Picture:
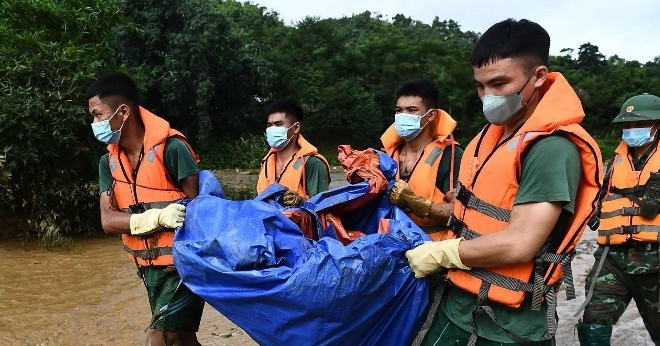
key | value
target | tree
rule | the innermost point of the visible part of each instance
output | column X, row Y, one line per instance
column 50, row 52
column 197, row 71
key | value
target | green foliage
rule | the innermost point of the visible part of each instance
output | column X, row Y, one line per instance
column 240, row 193
column 197, row 71
column 347, row 70
column 244, row 152
column 211, row 66
column 607, row 147
column 50, row 51
column 604, row 84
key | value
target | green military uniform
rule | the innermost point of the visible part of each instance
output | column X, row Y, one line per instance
column 540, row 182
column 316, row 176
column 629, row 270
column 174, row 307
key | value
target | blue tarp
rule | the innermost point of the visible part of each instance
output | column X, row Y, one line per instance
column 254, row 265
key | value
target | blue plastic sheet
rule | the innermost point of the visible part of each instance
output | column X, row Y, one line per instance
column 253, row 264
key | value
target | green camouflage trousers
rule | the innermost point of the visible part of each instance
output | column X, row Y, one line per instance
column 627, row 273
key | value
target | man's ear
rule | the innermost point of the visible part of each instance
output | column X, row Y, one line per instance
column 434, row 113
column 540, row 73
column 125, row 111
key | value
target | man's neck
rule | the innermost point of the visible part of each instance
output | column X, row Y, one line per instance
column 418, row 143
column 527, row 112
column 289, row 151
column 640, row 151
column 132, row 137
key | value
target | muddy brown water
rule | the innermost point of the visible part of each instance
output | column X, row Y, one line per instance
column 89, row 294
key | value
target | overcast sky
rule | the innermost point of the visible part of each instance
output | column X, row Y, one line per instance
column 627, row 28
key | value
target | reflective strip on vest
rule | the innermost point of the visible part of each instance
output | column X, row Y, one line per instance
column 471, row 201
column 434, row 155
column 632, row 229
column 151, row 253
column 629, row 211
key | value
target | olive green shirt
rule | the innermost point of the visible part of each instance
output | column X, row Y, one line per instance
column 177, row 158
column 316, row 176
column 551, row 173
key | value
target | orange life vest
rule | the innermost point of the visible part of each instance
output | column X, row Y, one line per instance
column 149, row 186
column 620, row 220
column 489, row 180
column 293, row 175
column 422, row 180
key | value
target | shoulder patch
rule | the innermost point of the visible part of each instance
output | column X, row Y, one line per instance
column 112, row 163
column 298, row 163
column 435, row 153
column 151, row 154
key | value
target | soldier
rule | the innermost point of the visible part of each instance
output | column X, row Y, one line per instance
column 627, row 256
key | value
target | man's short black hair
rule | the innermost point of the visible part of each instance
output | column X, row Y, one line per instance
column 287, row 106
column 115, row 85
column 522, row 39
column 423, row 88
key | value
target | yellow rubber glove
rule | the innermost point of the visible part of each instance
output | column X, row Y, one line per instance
column 429, row 257
column 290, row 198
column 402, row 196
column 153, row 220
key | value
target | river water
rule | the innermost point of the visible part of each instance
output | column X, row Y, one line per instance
column 88, row 294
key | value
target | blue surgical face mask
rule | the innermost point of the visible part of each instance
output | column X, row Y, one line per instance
column 637, row 137
column 499, row 109
column 408, row 126
column 276, row 136
column 103, row 131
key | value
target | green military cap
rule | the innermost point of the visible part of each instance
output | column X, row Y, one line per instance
column 642, row 107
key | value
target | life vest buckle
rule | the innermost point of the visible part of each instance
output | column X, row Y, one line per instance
column 630, row 229
column 630, row 211
column 463, row 195
column 455, row 225
column 137, row 208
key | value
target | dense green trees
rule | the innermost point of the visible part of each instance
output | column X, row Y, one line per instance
column 211, row 66
column 49, row 52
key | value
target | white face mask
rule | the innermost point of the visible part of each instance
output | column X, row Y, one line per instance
column 276, row 136
column 499, row 109
column 638, row 136
column 408, row 126
column 103, row 132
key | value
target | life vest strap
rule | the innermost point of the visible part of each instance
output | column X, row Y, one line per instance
column 536, row 288
column 613, row 196
column 626, row 211
column 637, row 191
column 460, row 228
column 142, row 207
column 149, row 253
column 629, row 229
column 551, row 319
column 468, row 199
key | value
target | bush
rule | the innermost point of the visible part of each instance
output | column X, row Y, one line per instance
column 50, row 52
column 244, row 152
column 607, row 147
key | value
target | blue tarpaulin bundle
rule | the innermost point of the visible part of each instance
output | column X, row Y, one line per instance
column 253, row 264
